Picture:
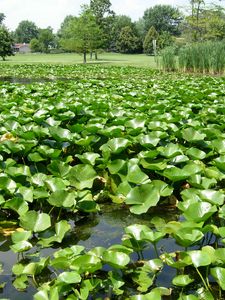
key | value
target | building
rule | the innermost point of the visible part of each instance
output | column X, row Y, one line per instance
column 22, row 48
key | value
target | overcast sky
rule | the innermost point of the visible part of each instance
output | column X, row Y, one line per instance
column 52, row 12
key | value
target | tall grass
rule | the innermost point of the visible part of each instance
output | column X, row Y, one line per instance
column 205, row 57
column 168, row 59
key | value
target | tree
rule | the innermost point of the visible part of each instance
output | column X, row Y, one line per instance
column 6, row 42
column 163, row 18
column 204, row 23
column 104, row 17
column 2, row 17
column 128, row 42
column 26, row 31
column 148, row 41
column 82, row 34
column 119, row 23
column 46, row 39
column 35, row 45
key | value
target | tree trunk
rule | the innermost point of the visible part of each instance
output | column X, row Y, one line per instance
column 91, row 55
column 3, row 57
column 96, row 55
column 85, row 56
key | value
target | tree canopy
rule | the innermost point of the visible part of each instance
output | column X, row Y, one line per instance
column 162, row 18
column 82, row 34
column 26, row 31
column 6, row 41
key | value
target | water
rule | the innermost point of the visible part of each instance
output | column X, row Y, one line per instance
column 103, row 229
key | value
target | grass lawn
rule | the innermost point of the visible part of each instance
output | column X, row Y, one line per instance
column 138, row 60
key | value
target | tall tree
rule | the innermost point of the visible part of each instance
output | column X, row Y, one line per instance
column 163, row 18
column 204, row 22
column 82, row 34
column 26, row 31
column 128, row 42
column 46, row 39
column 6, row 42
column 151, row 36
column 104, row 17
column 120, row 21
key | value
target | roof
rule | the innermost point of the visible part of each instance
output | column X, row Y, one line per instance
column 19, row 45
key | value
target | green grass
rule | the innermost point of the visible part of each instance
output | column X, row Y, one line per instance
column 138, row 60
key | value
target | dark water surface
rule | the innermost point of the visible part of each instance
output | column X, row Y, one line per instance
column 103, row 229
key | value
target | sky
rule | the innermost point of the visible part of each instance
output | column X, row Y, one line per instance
column 46, row 13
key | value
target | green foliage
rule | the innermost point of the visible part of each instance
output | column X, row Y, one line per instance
column 25, row 32
column 46, row 39
column 35, row 45
column 82, row 34
column 6, row 42
column 162, row 18
column 148, row 41
column 206, row 57
column 68, row 146
column 128, row 41
column 168, row 59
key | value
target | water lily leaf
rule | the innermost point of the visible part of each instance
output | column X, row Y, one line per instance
column 116, row 145
column 26, row 193
column 69, row 277
column 137, row 231
column 170, row 150
column 219, row 274
column 218, row 145
column 21, row 282
column 199, row 211
column 7, row 183
column 155, row 165
column 61, row 228
column 20, row 170
column 116, row 259
column 17, row 204
column 212, row 196
column 135, row 175
column 86, row 263
column 195, row 153
column 82, row 176
column 142, row 198
column 148, row 140
column 35, row 221
column 39, row 179
column 135, row 123
column 19, row 236
column 220, row 162
column 56, row 184
column 59, row 168
column 87, row 206
column 188, row 236
column 182, row 280
column 192, row 135
column 60, row 134
column 200, row 258
column 88, row 158
column 35, row 157
column 116, row 165
column 61, row 198
column 21, row 246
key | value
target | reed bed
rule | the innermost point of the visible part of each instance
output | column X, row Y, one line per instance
column 203, row 57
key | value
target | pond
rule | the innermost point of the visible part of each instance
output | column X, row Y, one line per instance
column 102, row 230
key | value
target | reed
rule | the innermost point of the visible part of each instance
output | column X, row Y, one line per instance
column 168, row 59
column 205, row 57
